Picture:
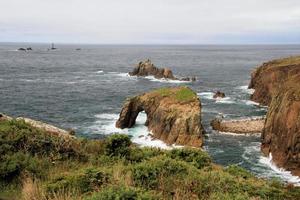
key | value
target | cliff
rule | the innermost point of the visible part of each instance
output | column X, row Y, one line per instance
column 277, row 84
column 269, row 77
column 281, row 134
column 147, row 68
column 173, row 115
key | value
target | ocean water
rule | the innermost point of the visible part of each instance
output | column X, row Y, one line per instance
column 84, row 90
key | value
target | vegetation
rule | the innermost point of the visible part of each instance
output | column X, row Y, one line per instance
column 182, row 94
column 37, row 166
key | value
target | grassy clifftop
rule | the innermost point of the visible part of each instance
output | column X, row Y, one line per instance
column 37, row 166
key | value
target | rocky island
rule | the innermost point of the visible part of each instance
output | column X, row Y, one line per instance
column 147, row 68
column 173, row 115
column 277, row 84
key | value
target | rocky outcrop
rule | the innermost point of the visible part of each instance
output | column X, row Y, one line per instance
column 41, row 125
column 268, row 78
column 173, row 115
column 281, row 134
column 244, row 126
column 147, row 68
column 219, row 94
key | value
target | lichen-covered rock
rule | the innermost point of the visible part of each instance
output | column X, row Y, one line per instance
column 281, row 134
column 173, row 115
column 268, row 78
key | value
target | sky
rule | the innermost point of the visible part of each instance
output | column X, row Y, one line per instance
column 151, row 21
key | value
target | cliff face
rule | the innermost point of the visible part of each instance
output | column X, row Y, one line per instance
column 277, row 84
column 281, row 134
column 268, row 78
column 173, row 115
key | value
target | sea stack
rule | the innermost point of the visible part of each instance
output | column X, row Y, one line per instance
column 277, row 84
column 173, row 115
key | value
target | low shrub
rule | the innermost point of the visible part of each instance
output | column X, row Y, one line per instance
column 117, row 145
column 85, row 180
column 147, row 174
column 196, row 157
column 122, row 193
column 238, row 171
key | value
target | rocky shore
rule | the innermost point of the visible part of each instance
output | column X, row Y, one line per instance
column 173, row 115
column 147, row 68
column 277, row 84
column 244, row 126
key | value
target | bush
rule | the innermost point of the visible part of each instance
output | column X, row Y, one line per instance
column 148, row 173
column 238, row 172
column 196, row 157
column 84, row 180
column 117, row 145
column 140, row 154
column 122, row 193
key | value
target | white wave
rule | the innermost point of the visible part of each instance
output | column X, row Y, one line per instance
column 282, row 173
column 206, row 95
column 164, row 80
column 226, row 100
column 105, row 124
column 245, row 89
column 249, row 102
column 99, row 72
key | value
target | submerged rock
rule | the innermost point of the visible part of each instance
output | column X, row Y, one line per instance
column 147, row 68
column 244, row 126
column 219, row 94
column 21, row 49
column 173, row 115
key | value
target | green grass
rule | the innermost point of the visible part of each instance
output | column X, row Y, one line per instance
column 181, row 94
column 117, row 169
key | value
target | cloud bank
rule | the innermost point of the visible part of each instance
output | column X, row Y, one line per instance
column 150, row 22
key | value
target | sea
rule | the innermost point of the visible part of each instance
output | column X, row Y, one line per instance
column 84, row 90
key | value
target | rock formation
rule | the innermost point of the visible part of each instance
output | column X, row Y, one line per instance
column 147, row 68
column 268, row 78
column 219, row 94
column 243, row 126
column 173, row 115
column 277, row 84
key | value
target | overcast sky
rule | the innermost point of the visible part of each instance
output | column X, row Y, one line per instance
column 151, row 21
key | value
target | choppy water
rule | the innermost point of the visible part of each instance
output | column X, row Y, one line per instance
column 84, row 90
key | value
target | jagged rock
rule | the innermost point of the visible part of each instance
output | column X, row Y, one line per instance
column 219, row 94
column 244, row 126
column 268, row 78
column 29, row 49
column 173, row 115
column 4, row 117
column 147, row 68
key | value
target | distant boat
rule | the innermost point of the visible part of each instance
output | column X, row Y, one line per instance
column 52, row 47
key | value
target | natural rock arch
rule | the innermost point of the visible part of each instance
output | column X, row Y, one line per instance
column 173, row 115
